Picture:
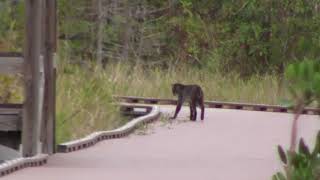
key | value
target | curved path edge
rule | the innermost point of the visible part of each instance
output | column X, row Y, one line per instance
column 11, row 166
column 95, row 137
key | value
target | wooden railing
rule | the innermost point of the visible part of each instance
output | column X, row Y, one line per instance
column 217, row 104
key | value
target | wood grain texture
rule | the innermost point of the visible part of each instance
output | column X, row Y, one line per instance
column 11, row 65
column 10, row 122
column 32, row 78
column 48, row 114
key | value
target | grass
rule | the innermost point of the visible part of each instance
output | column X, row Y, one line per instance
column 137, row 81
column 84, row 96
column 10, row 89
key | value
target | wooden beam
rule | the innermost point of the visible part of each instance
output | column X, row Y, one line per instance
column 11, row 65
column 10, row 122
column 10, row 117
column 11, row 54
column 32, row 78
column 11, row 106
column 48, row 126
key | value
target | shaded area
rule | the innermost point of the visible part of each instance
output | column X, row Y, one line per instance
column 10, row 139
column 8, row 154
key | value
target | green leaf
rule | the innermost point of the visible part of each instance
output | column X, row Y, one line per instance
column 309, row 70
column 316, row 150
column 290, row 72
column 304, row 70
column 274, row 177
column 316, row 84
column 257, row 30
column 317, row 67
column 279, row 176
column 282, row 155
column 294, row 159
column 303, row 148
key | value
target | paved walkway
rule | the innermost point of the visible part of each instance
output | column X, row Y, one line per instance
column 229, row 145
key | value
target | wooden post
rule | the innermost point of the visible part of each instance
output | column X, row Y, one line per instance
column 48, row 126
column 31, row 120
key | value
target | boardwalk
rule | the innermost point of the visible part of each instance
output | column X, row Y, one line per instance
column 229, row 145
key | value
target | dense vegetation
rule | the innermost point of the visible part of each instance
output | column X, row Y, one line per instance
column 304, row 88
column 246, row 36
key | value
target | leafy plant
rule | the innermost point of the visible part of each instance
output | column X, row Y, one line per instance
column 301, row 165
column 303, row 80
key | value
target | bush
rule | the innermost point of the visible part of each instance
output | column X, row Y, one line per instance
column 301, row 165
column 303, row 81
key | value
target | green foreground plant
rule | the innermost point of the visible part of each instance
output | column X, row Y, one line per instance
column 301, row 165
column 304, row 87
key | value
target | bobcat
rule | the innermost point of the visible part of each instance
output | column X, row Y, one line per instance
column 192, row 94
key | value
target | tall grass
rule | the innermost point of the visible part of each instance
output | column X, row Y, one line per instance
column 137, row 81
column 84, row 96
column 84, row 104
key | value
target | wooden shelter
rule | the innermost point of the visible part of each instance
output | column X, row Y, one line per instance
column 35, row 118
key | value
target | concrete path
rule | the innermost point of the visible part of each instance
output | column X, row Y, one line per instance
column 228, row 145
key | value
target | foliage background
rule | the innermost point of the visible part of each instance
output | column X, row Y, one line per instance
column 245, row 36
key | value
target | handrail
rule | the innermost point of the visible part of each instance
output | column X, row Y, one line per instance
column 218, row 104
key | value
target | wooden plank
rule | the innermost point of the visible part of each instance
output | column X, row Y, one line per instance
column 10, row 117
column 10, row 122
column 10, row 111
column 32, row 76
column 11, row 106
column 219, row 104
column 11, row 65
column 11, row 54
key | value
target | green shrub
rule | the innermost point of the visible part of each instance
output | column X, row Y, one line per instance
column 301, row 165
column 303, row 81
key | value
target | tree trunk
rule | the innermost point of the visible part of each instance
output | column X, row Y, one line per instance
column 294, row 129
column 127, row 31
column 100, row 32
